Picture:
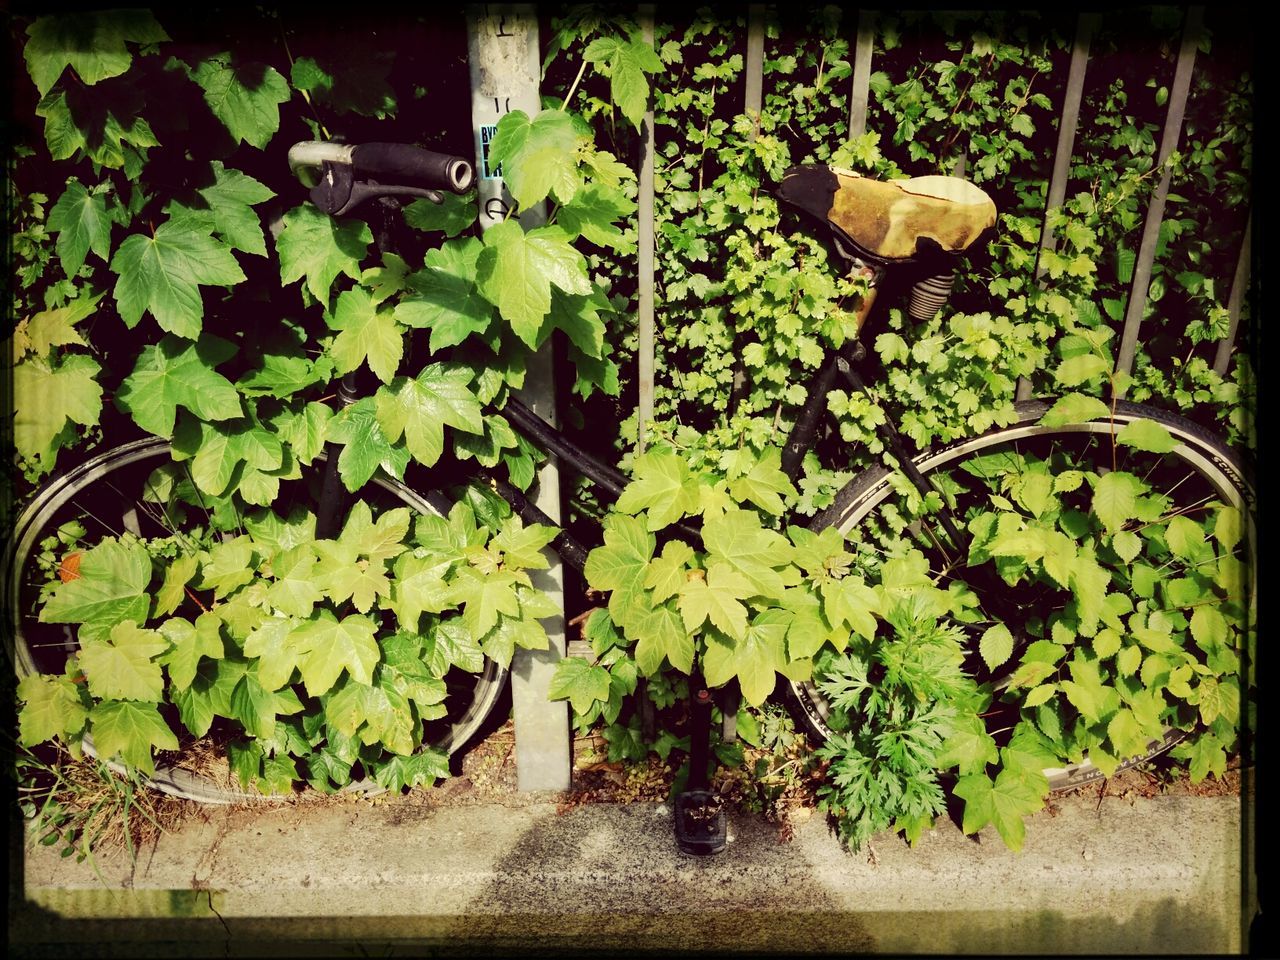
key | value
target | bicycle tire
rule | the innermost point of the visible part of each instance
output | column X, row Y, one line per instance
column 1198, row 450
column 68, row 494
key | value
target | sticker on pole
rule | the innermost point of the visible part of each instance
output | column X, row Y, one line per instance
column 487, row 132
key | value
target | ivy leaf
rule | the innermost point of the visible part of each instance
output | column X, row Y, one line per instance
column 1004, row 801
column 110, row 589
column 367, row 334
column 662, row 485
column 80, row 219
column 445, row 298
column 627, row 62
column 419, row 408
column 364, row 447
column 246, row 97
column 130, row 730
column 162, row 274
column 316, row 246
column 538, row 156
column 516, row 270
column 124, row 667
column 47, row 398
column 328, row 646
column 1115, row 499
column 579, row 682
column 1146, row 435
column 51, row 707
column 91, row 43
column 716, row 598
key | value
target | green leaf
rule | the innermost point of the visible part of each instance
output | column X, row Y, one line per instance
column 445, row 297
column 619, row 566
column 130, row 730
column 579, row 682
column 124, row 666
column 1185, row 537
column 227, row 566
column 737, row 539
column 364, row 448
column 538, row 156
column 91, row 43
column 1146, row 435
column 51, row 707
column 367, row 334
column 189, row 644
column 110, row 589
column 81, row 221
column 1115, row 499
column 293, row 590
column 522, row 545
column 666, row 574
column 1228, row 527
column 246, row 97
column 226, row 207
column 452, row 216
column 754, row 658
column 765, row 484
column 516, row 271
column 717, row 599
column 43, row 331
column 1004, row 801
column 1125, row 734
column 47, row 399
column 592, row 213
column 419, row 587
column 968, row 747
column 316, row 246
column 661, row 633
column 161, row 274
column 328, row 646
column 1079, row 369
column 663, row 486
column 419, row 409
column 272, row 643
column 996, row 645
column 1127, row 545
column 627, row 62
column 174, row 373
column 422, row 768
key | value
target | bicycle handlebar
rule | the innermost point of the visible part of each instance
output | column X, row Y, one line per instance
column 396, row 162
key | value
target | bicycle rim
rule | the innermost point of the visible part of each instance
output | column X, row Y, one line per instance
column 1199, row 467
column 105, row 495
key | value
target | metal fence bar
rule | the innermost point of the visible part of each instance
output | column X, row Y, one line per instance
column 1067, row 125
column 754, row 73
column 1236, row 300
column 645, row 267
column 860, row 94
column 1155, row 212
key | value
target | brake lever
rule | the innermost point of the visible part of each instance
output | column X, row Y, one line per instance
column 338, row 192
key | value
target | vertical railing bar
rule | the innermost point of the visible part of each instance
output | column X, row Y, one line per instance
column 645, row 234
column 754, row 97
column 1155, row 212
column 1067, row 126
column 860, row 94
column 1239, row 284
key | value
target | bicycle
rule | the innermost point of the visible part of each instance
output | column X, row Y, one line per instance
column 916, row 227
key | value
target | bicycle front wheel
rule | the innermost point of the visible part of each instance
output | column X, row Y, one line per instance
column 114, row 493
column 879, row 508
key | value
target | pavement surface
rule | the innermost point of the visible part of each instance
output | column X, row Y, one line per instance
column 539, row 878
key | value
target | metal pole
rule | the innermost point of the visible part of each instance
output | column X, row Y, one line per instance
column 1236, row 300
column 859, row 96
column 755, row 59
column 1155, row 212
column 645, row 279
column 1062, row 155
column 502, row 50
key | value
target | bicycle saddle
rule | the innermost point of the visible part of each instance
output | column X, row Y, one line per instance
column 891, row 220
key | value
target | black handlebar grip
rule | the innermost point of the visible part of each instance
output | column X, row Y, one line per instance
column 402, row 162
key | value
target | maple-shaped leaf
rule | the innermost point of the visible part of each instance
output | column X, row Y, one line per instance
column 377, row 711
column 314, row 245
column 224, row 446
column 256, row 706
column 130, row 730
column 246, row 97
column 737, row 539
column 114, row 575
column 538, row 156
column 176, row 373
column 619, row 567
column 765, row 484
column 516, row 271
column 378, row 540
column 484, row 597
column 366, row 335
column 627, row 62
column 293, row 590
column 849, row 600
column 190, row 643
column 418, row 587
column 328, row 646
column 1004, row 801
column 39, row 333
column 450, row 644
column 453, row 215
column 364, row 447
column 522, row 545
column 162, row 273
column 423, row 768
column 668, row 572
column 663, row 486
column 48, row 397
column 754, row 657
column 227, row 566
column 968, row 747
column 226, row 205
column 125, row 665
column 718, row 598
column 304, row 427
column 418, row 408
column 92, row 43
column 343, row 575
column 444, row 296
column 808, row 630
column 173, row 590
column 592, row 213
column 82, row 223
column 273, row 645
column 579, row 682
column 51, row 707
column 579, row 318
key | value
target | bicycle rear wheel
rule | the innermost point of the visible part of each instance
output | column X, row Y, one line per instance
column 113, row 493
column 875, row 508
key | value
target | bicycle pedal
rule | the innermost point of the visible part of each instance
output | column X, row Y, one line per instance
column 702, row 827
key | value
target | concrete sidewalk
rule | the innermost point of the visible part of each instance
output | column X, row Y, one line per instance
column 1119, row 876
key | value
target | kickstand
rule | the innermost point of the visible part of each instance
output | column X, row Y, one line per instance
column 700, row 822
